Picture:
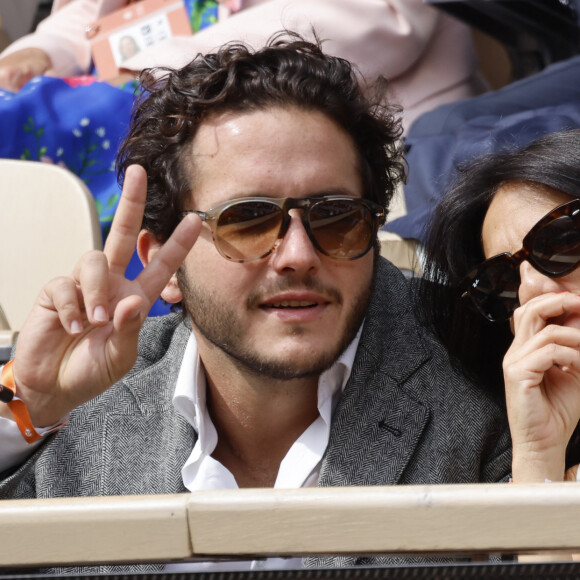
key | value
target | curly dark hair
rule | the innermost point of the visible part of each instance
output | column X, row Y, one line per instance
column 287, row 72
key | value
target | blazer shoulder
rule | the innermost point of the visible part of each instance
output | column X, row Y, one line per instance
column 157, row 336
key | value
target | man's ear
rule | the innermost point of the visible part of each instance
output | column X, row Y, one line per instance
column 147, row 246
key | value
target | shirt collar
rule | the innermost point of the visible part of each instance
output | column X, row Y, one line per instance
column 301, row 465
column 190, row 391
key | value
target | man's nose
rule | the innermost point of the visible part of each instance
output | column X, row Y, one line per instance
column 295, row 251
column 534, row 283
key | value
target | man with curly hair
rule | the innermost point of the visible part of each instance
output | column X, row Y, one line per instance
column 254, row 183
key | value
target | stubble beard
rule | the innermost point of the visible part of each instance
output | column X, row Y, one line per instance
column 218, row 324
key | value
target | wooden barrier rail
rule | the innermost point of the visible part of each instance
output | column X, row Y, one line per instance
column 266, row 522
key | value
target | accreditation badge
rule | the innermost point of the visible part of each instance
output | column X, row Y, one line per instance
column 122, row 34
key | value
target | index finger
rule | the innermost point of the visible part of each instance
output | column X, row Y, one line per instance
column 154, row 277
column 533, row 316
column 122, row 238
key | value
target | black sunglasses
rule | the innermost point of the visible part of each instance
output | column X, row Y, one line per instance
column 552, row 247
column 247, row 229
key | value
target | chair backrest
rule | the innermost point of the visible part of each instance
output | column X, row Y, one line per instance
column 48, row 219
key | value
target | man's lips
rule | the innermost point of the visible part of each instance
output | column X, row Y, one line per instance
column 291, row 304
column 295, row 301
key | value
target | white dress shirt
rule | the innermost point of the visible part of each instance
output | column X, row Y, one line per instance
column 300, row 467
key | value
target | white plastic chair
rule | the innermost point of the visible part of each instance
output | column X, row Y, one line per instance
column 48, row 219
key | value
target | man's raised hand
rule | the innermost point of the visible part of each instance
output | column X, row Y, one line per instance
column 81, row 335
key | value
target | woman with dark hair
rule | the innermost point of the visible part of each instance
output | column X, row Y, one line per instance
column 501, row 288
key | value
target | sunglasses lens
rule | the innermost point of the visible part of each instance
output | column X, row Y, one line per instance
column 248, row 230
column 343, row 229
column 556, row 246
column 494, row 289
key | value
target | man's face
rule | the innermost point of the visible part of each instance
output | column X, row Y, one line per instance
column 291, row 314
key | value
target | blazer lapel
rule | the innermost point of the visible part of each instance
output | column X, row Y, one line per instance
column 379, row 422
column 145, row 448
column 375, row 431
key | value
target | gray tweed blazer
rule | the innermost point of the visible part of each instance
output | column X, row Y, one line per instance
column 406, row 417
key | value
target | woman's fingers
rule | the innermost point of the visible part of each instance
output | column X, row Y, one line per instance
column 551, row 334
column 528, row 371
column 530, row 318
column 571, row 475
column 542, row 384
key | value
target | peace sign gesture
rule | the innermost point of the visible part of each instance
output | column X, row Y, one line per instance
column 81, row 335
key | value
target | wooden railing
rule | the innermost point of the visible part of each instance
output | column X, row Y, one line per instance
column 455, row 519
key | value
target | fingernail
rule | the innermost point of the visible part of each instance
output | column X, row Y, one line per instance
column 100, row 315
column 76, row 327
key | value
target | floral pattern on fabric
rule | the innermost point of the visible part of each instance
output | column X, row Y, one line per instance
column 70, row 124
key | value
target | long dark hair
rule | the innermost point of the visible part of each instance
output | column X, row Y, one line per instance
column 454, row 247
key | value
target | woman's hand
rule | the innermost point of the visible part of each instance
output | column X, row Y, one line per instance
column 542, row 382
column 17, row 68
column 81, row 336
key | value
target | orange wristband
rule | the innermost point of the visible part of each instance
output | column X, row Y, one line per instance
column 17, row 407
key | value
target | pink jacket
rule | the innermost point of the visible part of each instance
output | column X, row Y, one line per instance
column 427, row 56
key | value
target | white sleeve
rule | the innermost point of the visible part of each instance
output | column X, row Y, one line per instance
column 62, row 34
column 381, row 36
column 14, row 449
column 427, row 56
